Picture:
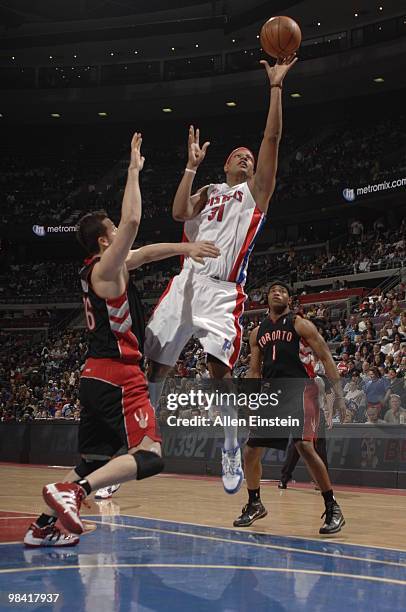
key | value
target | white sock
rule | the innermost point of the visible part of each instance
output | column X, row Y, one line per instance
column 155, row 392
column 230, row 431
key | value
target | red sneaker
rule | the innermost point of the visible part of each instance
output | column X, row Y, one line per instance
column 65, row 498
column 48, row 536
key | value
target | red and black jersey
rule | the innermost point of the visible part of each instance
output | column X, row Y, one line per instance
column 116, row 326
column 285, row 353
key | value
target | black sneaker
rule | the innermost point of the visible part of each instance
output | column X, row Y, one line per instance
column 334, row 520
column 283, row 484
column 250, row 513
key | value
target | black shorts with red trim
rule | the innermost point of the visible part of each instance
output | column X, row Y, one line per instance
column 300, row 403
column 116, row 410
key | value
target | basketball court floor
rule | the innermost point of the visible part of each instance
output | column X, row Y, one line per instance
column 168, row 544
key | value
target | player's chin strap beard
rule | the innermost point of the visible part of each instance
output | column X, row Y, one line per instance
column 278, row 309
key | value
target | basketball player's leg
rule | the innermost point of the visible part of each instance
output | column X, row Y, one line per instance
column 232, row 472
column 334, row 519
column 254, row 508
column 157, row 374
column 168, row 330
column 122, row 414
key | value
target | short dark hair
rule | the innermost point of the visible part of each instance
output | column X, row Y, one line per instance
column 89, row 229
column 281, row 284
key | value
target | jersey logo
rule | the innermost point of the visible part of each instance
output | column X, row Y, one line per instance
column 142, row 419
column 226, row 345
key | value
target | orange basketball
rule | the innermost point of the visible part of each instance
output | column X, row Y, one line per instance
column 280, row 36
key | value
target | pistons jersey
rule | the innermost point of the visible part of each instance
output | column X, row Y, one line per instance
column 232, row 220
column 285, row 353
column 116, row 326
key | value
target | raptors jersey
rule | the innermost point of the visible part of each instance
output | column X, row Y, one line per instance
column 116, row 326
column 231, row 220
column 285, row 353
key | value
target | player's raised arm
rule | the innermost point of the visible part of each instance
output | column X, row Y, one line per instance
column 262, row 184
column 255, row 368
column 155, row 252
column 308, row 332
column 115, row 256
column 185, row 206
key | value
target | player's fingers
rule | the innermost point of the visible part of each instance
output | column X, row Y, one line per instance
column 205, row 147
column 134, row 140
column 197, row 136
column 198, row 259
column 265, row 63
column 191, row 134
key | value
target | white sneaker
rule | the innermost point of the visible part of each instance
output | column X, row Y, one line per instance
column 106, row 492
column 48, row 536
column 232, row 474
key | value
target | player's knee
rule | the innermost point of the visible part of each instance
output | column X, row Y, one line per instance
column 148, row 464
column 87, row 466
column 251, row 455
column 305, row 447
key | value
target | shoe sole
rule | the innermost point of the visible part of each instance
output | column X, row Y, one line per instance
column 72, row 523
column 51, row 545
column 336, row 530
column 263, row 515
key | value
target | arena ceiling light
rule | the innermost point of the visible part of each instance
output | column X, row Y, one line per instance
column 167, row 110
column 296, row 95
column 231, row 104
column 102, row 114
column 379, row 80
column 55, row 115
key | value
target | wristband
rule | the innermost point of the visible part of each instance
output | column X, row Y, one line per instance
column 190, row 170
column 277, row 85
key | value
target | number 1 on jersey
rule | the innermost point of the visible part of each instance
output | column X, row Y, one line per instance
column 274, row 352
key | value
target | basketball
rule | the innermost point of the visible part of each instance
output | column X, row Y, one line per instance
column 280, row 36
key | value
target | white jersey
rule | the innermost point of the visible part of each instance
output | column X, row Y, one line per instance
column 231, row 220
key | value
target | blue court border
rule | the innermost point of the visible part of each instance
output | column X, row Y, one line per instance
column 140, row 563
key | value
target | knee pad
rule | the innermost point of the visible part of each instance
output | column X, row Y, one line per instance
column 148, row 464
column 87, row 466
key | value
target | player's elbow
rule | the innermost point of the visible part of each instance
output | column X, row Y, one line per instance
column 178, row 217
column 132, row 223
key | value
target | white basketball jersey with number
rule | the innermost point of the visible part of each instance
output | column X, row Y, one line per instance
column 231, row 220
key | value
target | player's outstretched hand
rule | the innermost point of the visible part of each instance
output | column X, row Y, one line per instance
column 198, row 250
column 137, row 161
column 278, row 72
column 195, row 154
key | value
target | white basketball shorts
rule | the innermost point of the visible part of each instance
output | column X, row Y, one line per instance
column 201, row 306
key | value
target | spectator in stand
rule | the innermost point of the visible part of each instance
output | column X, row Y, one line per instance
column 375, row 388
column 378, row 354
column 396, row 414
column 373, row 412
column 396, row 385
column 335, row 335
column 355, row 398
column 342, row 365
column 356, row 231
column 346, row 346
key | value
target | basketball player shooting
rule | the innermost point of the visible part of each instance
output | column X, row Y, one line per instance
column 207, row 300
column 116, row 410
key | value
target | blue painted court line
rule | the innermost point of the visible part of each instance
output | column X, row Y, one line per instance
column 133, row 563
